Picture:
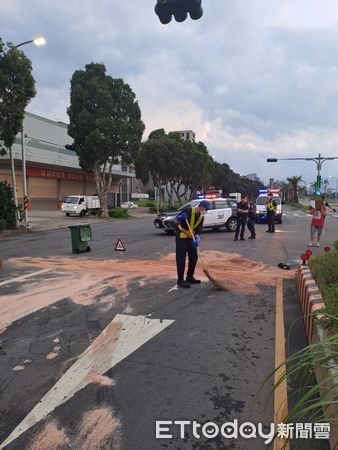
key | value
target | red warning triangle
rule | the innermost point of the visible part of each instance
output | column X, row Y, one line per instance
column 119, row 247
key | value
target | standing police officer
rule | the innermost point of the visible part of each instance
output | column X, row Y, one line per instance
column 242, row 216
column 271, row 209
column 252, row 219
column 187, row 243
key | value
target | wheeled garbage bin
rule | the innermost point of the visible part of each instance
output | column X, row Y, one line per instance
column 81, row 235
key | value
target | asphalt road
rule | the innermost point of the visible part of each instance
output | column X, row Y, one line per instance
column 97, row 347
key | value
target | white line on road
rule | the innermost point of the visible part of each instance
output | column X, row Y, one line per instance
column 173, row 288
column 119, row 339
column 23, row 277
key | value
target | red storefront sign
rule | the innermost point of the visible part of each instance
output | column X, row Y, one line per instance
column 59, row 174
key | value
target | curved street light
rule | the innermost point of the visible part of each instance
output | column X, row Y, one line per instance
column 38, row 41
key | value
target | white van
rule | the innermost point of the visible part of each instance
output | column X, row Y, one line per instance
column 261, row 214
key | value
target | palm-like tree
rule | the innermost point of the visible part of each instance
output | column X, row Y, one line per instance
column 294, row 183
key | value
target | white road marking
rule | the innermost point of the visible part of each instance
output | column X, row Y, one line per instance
column 119, row 339
column 173, row 288
column 24, row 277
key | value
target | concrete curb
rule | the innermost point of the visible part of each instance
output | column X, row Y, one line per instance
column 311, row 301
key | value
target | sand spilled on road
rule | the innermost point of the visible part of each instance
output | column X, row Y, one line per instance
column 222, row 266
column 98, row 429
column 107, row 282
column 51, row 437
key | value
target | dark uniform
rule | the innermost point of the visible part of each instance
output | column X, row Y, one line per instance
column 241, row 219
column 251, row 220
column 185, row 244
column 271, row 207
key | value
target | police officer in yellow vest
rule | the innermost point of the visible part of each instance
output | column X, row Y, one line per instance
column 271, row 209
column 187, row 243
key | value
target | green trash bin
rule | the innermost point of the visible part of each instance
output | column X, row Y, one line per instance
column 81, row 235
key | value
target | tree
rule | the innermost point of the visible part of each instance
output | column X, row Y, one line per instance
column 17, row 88
column 294, row 183
column 105, row 123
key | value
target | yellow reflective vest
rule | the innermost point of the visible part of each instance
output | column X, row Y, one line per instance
column 185, row 233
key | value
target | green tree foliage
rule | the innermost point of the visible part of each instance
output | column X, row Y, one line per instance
column 294, row 183
column 176, row 164
column 105, row 123
column 7, row 207
column 17, row 88
column 227, row 180
column 181, row 165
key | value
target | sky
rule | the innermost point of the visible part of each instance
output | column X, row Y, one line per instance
column 253, row 78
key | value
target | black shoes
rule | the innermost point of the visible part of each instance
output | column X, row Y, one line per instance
column 193, row 280
column 252, row 237
column 236, row 239
column 183, row 284
column 242, row 239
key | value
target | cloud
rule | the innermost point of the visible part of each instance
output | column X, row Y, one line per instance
column 253, row 79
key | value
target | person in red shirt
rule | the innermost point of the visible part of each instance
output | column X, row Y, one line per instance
column 317, row 224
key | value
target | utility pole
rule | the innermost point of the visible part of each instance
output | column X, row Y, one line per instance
column 15, row 197
column 319, row 160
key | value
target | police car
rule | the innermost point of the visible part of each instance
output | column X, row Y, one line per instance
column 223, row 213
column 261, row 214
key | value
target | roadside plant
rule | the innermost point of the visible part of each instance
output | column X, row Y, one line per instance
column 311, row 402
column 7, row 207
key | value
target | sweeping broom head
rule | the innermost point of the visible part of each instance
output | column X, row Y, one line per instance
column 216, row 284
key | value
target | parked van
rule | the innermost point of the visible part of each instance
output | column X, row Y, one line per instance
column 81, row 205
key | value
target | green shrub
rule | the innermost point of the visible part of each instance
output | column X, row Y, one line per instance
column 335, row 244
column 119, row 213
column 145, row 203
column 7, row 207
column 324, row 268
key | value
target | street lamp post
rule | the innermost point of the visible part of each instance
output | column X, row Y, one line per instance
column 37, row 41
column 335, row 178
column 319, row 160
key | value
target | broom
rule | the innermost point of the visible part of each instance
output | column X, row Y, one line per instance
column 216, row 284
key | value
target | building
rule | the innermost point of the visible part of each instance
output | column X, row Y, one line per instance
column 186, row 135
column 252, row 177
column 52, row 171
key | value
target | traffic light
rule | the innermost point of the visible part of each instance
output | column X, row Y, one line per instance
column 272, row 160
column 165, row 9
column 70, row 147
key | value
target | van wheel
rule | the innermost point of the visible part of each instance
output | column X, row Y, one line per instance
column 231, row 224
column 67, row 214
column 82, row 213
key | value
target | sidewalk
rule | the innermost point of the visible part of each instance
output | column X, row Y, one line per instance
column 54, row 220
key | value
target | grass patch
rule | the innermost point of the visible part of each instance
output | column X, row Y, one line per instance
column 324, row 268
column 119, row 213
column 145, row 203
column 165, row 207
column 305, row 208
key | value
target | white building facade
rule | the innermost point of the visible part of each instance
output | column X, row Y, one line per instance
column 52, row 171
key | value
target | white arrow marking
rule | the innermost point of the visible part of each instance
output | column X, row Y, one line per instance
column 119, row 339
column 23, row 277
column 173, row 288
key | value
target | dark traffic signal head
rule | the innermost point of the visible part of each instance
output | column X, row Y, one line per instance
column 165, row 9
column 70, row 147
column 272, row 160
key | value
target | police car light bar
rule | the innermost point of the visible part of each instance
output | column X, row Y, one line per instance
column 263, row 191
column 274, row 191
column 200, row 196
